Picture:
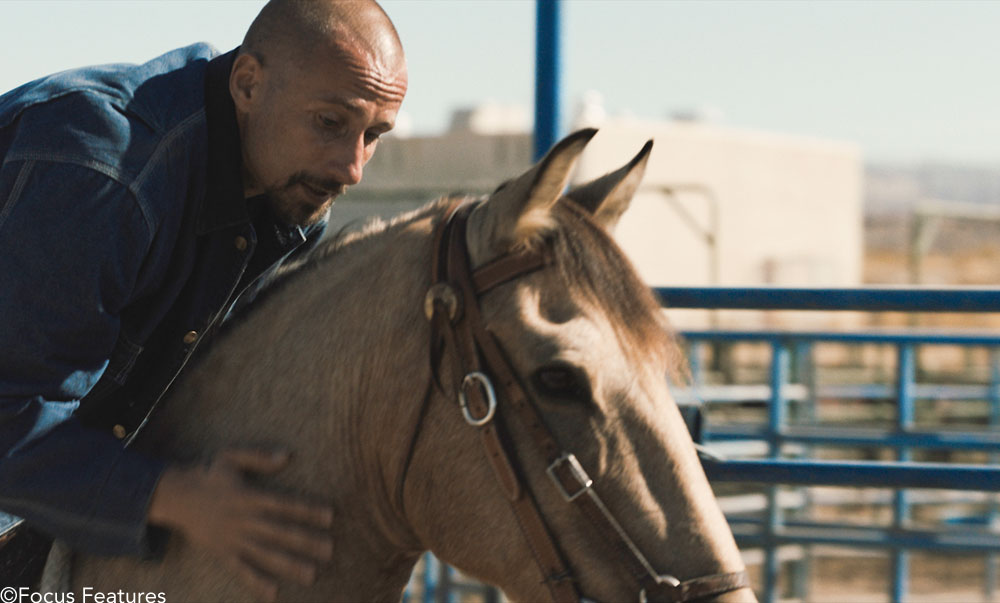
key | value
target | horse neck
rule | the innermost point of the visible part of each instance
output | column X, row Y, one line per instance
column 369, row 297
column 332, row 363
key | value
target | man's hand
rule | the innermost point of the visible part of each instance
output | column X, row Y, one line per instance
column 263, row 536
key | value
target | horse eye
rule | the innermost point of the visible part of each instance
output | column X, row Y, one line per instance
column 562, row 381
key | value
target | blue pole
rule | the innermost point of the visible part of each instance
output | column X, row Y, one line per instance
column 777, row 418
column 777, row 408
column 905, row 378
column 547, row 75
column 430, row 577
column 695, row 364
column 990, row 577
column 805, row 374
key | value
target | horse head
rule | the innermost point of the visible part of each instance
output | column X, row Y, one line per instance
column 570, row 473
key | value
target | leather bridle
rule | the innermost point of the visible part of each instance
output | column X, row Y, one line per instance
column 452, row 307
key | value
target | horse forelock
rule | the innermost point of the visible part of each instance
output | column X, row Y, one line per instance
column 593, row 267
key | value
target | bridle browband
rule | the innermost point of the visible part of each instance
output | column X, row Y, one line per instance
column 452, row 307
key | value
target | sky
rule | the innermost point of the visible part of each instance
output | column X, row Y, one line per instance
column 907, row 81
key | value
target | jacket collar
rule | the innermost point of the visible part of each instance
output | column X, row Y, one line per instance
column 224, row 204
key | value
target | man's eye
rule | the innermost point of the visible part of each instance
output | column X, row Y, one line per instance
column 371, row 137
column 327, row 122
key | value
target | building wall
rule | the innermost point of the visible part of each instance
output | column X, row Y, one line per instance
column 789, row 210
column 423, row 168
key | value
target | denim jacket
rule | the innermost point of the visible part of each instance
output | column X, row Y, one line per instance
column 125, row 238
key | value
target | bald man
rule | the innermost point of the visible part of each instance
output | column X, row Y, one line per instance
column 138, row 205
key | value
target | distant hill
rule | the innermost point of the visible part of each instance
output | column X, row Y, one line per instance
column 961, row 246
column 896, row 188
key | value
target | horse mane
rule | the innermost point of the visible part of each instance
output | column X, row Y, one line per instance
column 594, row 267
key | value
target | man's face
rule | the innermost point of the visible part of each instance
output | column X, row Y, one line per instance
column 309, row 125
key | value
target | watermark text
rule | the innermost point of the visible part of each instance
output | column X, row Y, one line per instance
column 10, row 594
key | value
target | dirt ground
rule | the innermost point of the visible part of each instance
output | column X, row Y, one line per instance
column 860, row 579
column 960, row 253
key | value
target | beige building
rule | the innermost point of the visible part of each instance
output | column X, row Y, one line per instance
column 735, row 207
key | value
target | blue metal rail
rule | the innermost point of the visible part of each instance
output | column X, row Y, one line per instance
column 774, row 529
column 875, row 299
column 893, row 337
column 858, row 474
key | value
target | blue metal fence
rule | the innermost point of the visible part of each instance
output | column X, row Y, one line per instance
column 903, row 437
column 786, row 445
column 870, row 299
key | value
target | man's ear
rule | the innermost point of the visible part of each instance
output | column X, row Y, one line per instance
column 244, row 81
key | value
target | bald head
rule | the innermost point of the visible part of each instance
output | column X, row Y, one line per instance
column 315, row 84
column 289, row 30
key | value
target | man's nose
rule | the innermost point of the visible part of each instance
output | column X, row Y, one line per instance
column 349, row 160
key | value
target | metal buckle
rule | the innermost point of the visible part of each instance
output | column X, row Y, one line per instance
column 444, row 293
column 661, row 580
column 578, row 472
column 491, row 398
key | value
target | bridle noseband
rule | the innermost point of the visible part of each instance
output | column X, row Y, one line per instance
column 452, row 307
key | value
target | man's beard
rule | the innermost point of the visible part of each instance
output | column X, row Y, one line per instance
column 286, row 200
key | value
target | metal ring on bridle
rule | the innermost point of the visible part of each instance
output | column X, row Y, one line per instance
column 491, row 398
column 444, row 293
column 667, row 579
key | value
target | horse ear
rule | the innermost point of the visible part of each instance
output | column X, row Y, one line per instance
column 609, row 196
column 517, row 213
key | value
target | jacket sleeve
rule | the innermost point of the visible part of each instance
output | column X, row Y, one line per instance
column 72, row 242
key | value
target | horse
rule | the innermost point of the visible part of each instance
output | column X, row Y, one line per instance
column 488, row 383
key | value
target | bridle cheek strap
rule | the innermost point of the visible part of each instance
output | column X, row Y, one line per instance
column 452, row 279
column 452, row 307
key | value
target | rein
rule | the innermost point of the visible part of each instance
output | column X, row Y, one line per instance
column 452, row 307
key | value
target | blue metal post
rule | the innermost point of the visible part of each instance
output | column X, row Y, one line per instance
column 804, row 373
column 547, row 75
column 430, row 577
column 695, row 364
column 906, row 372
column 990, row 577
column 777, row 418
column 777, row 411
column 446, row 584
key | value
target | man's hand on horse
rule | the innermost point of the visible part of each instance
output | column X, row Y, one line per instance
column 267, row 538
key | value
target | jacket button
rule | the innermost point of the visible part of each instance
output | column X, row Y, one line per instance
column 190, row 337
column 241, row 244
column 119, row 431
